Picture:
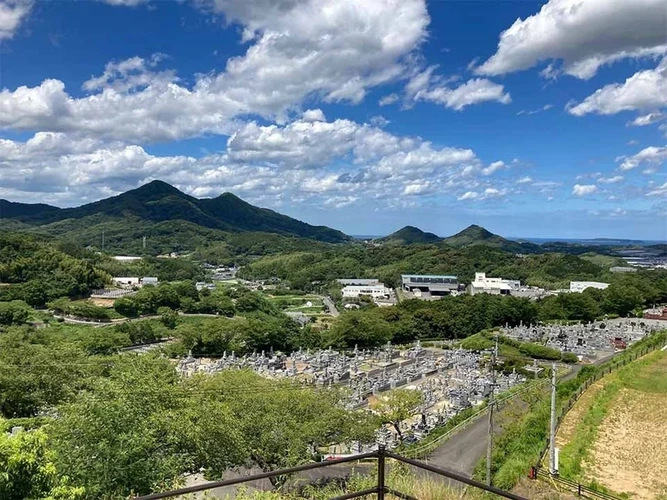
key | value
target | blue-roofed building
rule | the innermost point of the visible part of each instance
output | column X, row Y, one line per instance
column 429, row 285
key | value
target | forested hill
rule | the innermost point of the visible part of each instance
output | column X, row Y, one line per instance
column 141, row 209
column 409, row 235
column 477, row 235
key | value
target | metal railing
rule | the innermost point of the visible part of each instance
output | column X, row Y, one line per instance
column 571, row 486
column 379, row 490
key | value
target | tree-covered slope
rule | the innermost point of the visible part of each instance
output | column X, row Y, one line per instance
column 161, row 212
column 477, row 235
column 409, row 235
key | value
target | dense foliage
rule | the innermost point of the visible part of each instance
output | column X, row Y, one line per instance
column 37, row 271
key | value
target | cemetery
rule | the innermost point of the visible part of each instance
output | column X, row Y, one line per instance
column 590, row 342
column 450, row 380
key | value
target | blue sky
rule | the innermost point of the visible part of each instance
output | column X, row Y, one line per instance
column 543, row 119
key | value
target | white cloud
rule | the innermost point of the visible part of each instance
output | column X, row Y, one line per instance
column 583, row 34
column 611, row 180
column 494, row 193
column 644, row 91
column 494, row 167
column 644, row 120
column 468, row 195
column 659, row 191
column 388, row 99
column 546, row 107
column 584, row 189
column 313, row 115
column 334, row 50
column 474, row 91
column 379, row 121
column 12, row 14
column 311, row 161
column 651, row 155
column 525, row 180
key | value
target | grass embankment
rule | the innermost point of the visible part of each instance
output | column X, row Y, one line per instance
column 522, row 441
column 615, row 439
column 514, row 348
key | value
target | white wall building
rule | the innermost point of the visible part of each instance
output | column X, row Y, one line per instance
column 495, row 286
column 375, row 291
column 124, row 281
column 580, row 286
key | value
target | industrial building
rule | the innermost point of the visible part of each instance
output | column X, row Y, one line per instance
column 359, row 281
column 580, row 286
column 428, row 286
column 378, row 291
column 493, row 286
column 133, row 282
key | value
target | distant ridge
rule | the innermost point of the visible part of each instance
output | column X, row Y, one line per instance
column 409, row 235
column 160, row 203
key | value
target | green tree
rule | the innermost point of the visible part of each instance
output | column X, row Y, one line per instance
column 28, row 470
column 15, row 312
column 168, row 317
column 396, row 406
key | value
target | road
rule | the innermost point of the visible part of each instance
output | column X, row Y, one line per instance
column 331, row 306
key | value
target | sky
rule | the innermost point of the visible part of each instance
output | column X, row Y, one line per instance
column 530, row 118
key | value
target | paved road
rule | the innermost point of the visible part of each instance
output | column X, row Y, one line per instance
column 331, row 306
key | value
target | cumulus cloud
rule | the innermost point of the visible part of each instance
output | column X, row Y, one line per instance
column 583, row 34
column 388, row 99
column 339, row 162
column 651, row 155
column 525, row 180
column 12, row 14
column 468, row 195
column 644, row 91
column 649, row 119
column 584, row 189
column 313, row 115
column 333, row 49
column 494, row 167
column 423, row 86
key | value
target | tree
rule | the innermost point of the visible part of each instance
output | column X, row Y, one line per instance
column 28, row 470
column 396, row 406
column 137, row 431
column 169, row 317
column 15, row 312
column 126, row 306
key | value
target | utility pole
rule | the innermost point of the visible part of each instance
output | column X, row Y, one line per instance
column 552, row 437
column 103, row 240
column 489, row 442
column 144, row 243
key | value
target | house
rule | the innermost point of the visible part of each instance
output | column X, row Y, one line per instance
column 149, row 281
column 580, row 286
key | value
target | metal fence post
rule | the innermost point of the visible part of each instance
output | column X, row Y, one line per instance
column 381, row 485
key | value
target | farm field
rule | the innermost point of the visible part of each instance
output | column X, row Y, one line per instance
column 612, row 437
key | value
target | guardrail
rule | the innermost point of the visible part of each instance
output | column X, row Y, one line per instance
column 571, row 486
column 379, row 490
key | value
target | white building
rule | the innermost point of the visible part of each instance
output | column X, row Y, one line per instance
column 359, row 281
column 375, row 291
column 580, row 286
column 494, row 286
column 125, row 281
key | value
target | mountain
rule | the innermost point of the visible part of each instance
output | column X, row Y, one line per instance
column 477, row 235
column 9, row 209
column 159, row 211
column 409, row 235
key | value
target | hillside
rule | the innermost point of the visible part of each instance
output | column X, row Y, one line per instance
column 477, row 235
column 161, row 212
column 409, row 235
